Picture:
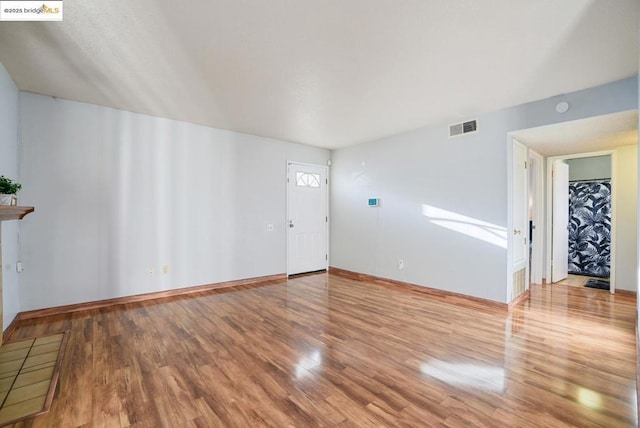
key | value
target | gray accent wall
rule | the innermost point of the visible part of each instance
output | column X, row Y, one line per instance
column 443, row 200
column 591, row 168
column 119, row 195
column 9, row 168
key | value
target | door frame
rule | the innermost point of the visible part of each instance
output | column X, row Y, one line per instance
column 286, row 219
column 549, row 233
column 559, row 221
column 511, row 141
column 537, row 243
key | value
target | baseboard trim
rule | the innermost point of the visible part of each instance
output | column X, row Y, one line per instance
column 521, row 298
column 630, row 293
column 97, row 304
column 8, row 332
column 440, row 295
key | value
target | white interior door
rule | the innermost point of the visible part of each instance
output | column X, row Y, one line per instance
column 520, row 215
column 307, row 221
column 560, row 222
column 536, row 186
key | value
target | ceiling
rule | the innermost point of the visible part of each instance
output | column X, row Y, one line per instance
column 583, row 136
column 327, row 73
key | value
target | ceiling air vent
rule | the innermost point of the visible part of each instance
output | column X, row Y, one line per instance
column 463, row 128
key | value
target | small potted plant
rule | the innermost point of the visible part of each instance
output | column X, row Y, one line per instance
column 8, row 190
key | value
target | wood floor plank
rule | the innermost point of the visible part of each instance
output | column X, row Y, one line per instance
column 325, row 350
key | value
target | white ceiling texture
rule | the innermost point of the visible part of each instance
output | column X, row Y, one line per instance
column 328, row 73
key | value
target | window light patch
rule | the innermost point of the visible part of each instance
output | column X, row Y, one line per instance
column 307, row 179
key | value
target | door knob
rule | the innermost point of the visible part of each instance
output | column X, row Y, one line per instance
column 290, row 223
column 516, row 231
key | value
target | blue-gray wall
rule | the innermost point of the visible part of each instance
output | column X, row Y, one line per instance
column 9, row 168
column 443, row 201
column 120, row 194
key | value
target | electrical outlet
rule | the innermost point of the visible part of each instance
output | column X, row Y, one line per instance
column 150, row 272
column 269, row 228
column 165, row 269
column 400, row 264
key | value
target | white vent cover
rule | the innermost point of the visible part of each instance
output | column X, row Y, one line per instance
column 463, row 128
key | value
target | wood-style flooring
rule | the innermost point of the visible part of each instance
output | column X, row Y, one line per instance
column 576, row 280
column 323, row 350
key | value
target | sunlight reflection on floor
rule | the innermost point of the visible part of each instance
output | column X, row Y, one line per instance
column 474, row 375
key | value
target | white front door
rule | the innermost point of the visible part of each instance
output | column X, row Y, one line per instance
column 560, row 222
column 307, row 218
column 520, row 215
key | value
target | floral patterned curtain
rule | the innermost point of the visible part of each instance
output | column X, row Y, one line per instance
column 590, row 228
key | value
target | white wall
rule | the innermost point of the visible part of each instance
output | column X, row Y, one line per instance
column 9, row 168
column 458, row 248
column 118, row 194
column 589, row 168
column 627, row 218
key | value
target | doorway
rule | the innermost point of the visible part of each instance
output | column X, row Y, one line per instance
column 614, row 135
column 526, row 220
column 582, row 236
column 307, row 218
column 519, row 227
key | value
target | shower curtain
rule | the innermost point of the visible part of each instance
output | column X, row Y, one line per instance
column 590, row 228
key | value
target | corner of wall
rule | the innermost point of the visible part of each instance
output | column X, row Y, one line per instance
column 9, row 167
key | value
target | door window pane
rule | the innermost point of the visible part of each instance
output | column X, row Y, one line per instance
column 307, row 179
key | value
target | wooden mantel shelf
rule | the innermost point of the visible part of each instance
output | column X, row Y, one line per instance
column 14, row 212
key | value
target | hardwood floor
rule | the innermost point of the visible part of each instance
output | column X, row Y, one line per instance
column 324, row 350
column 576, row 280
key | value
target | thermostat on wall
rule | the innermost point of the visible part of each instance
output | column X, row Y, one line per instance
column 374, row 202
